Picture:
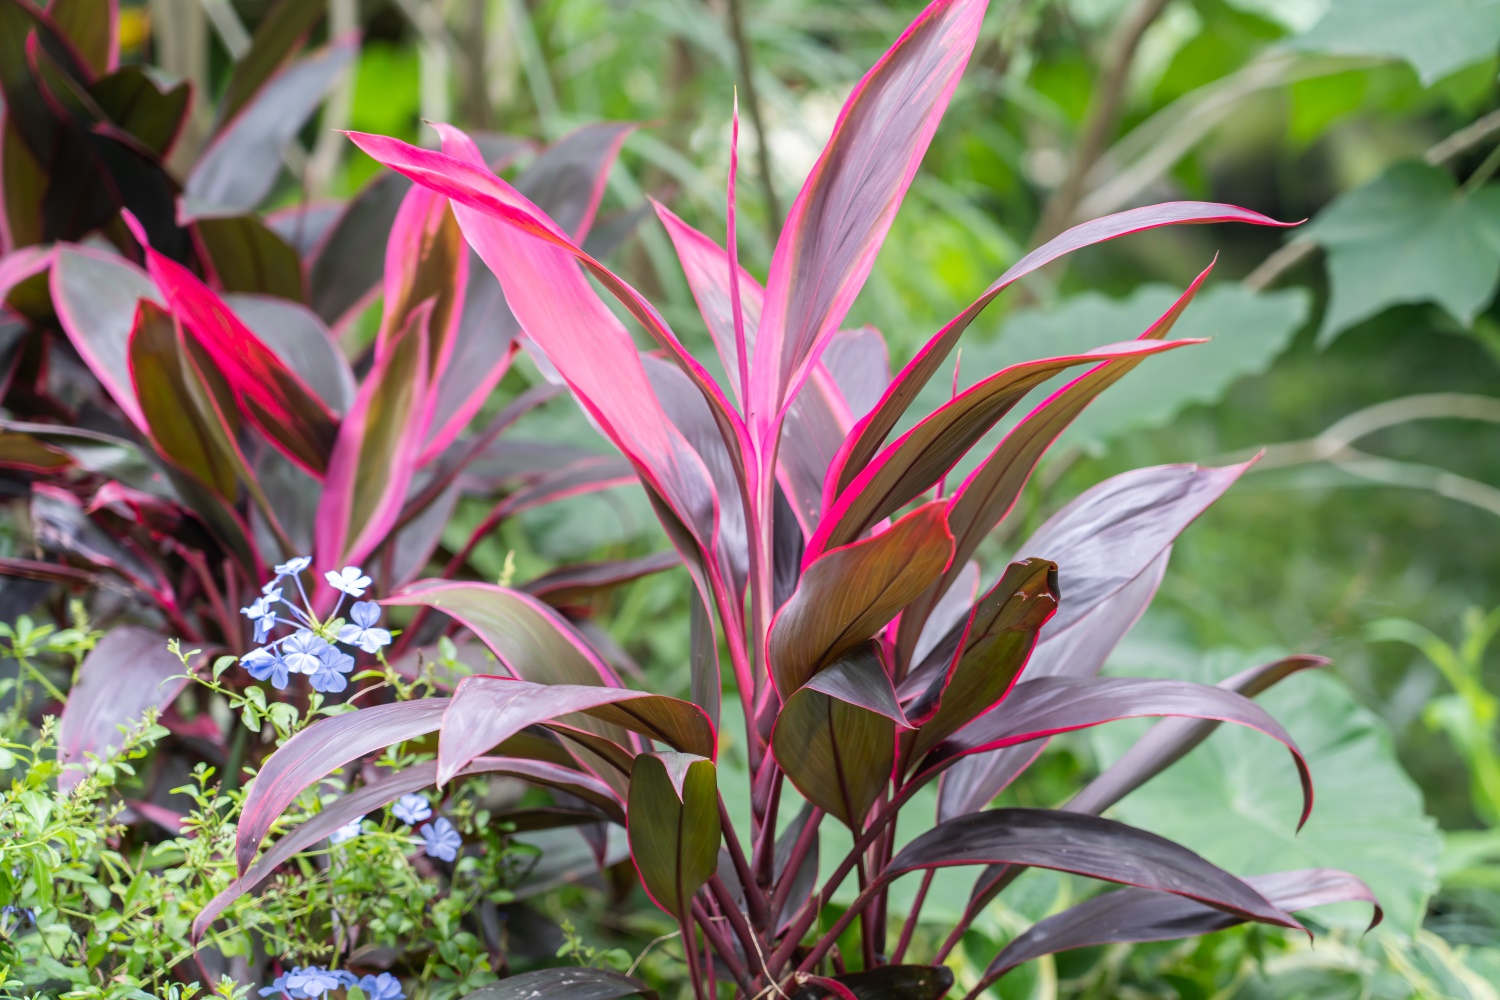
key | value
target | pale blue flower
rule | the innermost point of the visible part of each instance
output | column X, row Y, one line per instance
column 382, row 987
column 293, row 566
column 266, row 664
column 303, row 651
column 350, row 580
column 272, row 590
column 262, row 613
column 347, row 832
column 412, row 809
column 441, row 840
column 311, row 982
column 333, row 664
column 361, row 631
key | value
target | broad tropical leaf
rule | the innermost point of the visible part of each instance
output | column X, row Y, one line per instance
column 674, row 826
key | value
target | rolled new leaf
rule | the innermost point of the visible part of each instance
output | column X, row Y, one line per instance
column 997, row 641
column 835, row 736
column 849, row 594
column 673, row 821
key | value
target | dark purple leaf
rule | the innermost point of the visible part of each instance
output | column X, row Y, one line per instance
column 573, row 983
column 128, row 672
column 153, row 118
column 345, row 268
column 835, row 736
column 1131, row 915
column 317, row 752
column 1044, row 707
column 485, row 711
column 278, row 37
column 91, row 28
column 240, row 166
column 95, row 295
column 1084, row 845
column 300, row 339
column 569, row 584
column 567, row 179
column 889, row 982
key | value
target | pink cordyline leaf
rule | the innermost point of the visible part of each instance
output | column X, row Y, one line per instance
column 537, row 266
column 274, row 397
column 871, row 431
column 425, row 258
column 845, row 208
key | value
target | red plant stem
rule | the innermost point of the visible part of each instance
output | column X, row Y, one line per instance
column 765, row 844
column 794, row 860
column 690, row 952
column 867, row 915
column 755, row 898
column 750, row 943
column 910, row 927
column 721, row 944
column 983, row 893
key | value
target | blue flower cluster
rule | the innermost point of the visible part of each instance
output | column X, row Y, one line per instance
column 311, row 648
column 439, row 838
column 309, row 982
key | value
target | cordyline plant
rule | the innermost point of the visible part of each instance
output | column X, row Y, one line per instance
column 223, row 428
column 839, row 573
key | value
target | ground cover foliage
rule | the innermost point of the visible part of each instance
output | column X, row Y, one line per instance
column 348, row 655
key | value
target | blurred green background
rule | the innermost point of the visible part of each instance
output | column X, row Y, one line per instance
column 1360, row 350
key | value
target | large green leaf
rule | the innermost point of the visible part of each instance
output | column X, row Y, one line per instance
column 1435, row 36
column 1408, row 236
column 674, row 826
column 1245, row 333
column 1236, row 802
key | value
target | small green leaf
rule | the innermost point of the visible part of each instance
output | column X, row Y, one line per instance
column 673, row 822
column 1435, row 36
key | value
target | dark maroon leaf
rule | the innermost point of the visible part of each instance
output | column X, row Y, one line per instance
column 567, row 179
column 345, row 269
column 318, row 751
column 919, row 458
column 1130, row 915
column 1046, row 706
column 835, row 736
column 129, row 671
column 889, row 982
column 240, row 166
column 573, row 983
column 91, row 28
column 486, row 710
column 996, row 643
column 152, row 117
column 847, row 595
column 95, row 295
column 569, row 584
column 1084, row 845
column 1083, row 649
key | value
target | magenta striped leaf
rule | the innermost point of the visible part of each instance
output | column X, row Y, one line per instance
column 1084, row 845
column 275, row 398
column 922, row 456
column 485, row 711
column 877, row 424
column 538, row 267
column 425, row 260
column 845, row 208
column 1130, row 915
column 375, row 454
column 850, row 593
